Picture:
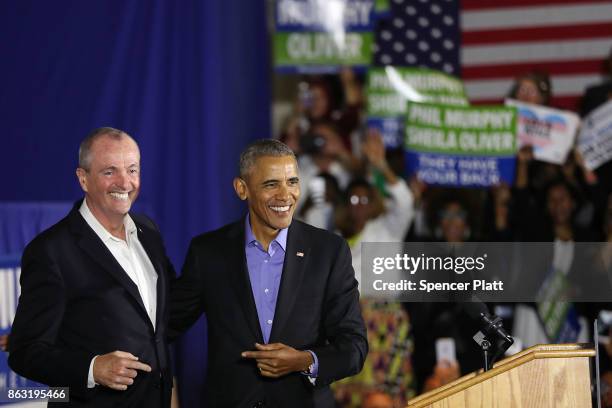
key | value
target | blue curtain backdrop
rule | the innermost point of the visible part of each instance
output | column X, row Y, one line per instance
column 188, row 79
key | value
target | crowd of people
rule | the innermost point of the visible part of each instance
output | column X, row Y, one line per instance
column 354, row 186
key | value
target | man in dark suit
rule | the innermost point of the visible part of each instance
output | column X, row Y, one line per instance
column 597, row 95
column 280, row 296
column 92, row 311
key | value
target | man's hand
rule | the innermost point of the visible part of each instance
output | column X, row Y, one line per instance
column 117, row 370
column 4, row 342
column 276, row 359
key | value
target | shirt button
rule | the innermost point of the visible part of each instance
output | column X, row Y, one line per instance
column 266, row 290
column 269, row 321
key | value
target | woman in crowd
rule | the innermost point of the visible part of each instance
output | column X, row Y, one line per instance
column 363, row 217
column 532, row 87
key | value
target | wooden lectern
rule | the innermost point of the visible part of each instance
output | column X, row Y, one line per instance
column 543, row 376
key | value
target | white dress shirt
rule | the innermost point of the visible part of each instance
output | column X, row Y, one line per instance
column 133, row 259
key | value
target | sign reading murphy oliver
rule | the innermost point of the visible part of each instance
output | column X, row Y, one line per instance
column 461, row 146
column 390, row 88
column 315, row 36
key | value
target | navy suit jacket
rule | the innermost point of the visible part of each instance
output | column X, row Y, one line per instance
column 317, row 309
column 77, row 302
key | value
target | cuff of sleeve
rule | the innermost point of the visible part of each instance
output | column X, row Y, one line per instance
column 313, row 369
column 398, row 189
column 90, row 378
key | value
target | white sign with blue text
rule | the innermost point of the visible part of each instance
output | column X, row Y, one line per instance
column 551, row 132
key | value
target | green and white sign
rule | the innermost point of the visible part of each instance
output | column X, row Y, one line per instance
column 461, row 130
column 382, row 7
column 311, row 49
column 322, row 36
column 390, row 88
column 461, row 146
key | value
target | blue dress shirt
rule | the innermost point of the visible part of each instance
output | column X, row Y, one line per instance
column 265, row 271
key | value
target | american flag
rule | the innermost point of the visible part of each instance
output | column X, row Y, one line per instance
column 489, row 42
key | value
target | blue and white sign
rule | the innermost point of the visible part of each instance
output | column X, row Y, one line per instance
column 550, row 131
column 461, row 146
column 595, row 140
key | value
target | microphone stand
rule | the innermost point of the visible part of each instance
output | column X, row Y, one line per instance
column 492, row 330
column 485, row 345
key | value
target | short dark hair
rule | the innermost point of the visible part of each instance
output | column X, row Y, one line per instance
column 261, row 148
column 90, row 139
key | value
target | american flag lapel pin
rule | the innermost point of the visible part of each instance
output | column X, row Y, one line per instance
column 300, row 254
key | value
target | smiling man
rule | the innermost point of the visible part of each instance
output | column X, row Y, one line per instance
column 91, row 314
column 280, row 296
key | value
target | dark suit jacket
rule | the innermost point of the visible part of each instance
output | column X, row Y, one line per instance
column 77, row 302
column 594, row 97
column 317, row 309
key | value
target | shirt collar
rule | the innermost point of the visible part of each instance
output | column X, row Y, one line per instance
column 281, row 237
column 92, row 221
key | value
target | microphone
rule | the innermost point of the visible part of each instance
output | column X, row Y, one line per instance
column 491, row 325
column 492, row 334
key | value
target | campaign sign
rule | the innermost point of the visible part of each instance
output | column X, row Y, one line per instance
column 389, row 89
column 458, row 146
column 595, row 138
column 550, row 131
column 314, row 36
column 9, row 295
column 382, row 8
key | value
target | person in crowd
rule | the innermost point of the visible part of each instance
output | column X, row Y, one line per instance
column 558, row 225
column 532, row 87
column 499, row 209
column 92, row 313
column 322, row 106
column 365, row 216
column 324, row 196
column 559, row 206
column 280, row 296
column 597, row 95
column 534, row 178
column 452, row 223
column 322, row 151
column 316, row 103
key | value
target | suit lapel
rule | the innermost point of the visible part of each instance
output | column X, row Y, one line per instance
column 99, row 253
column 239, row 276
column 153, row 252
column 296, row 256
